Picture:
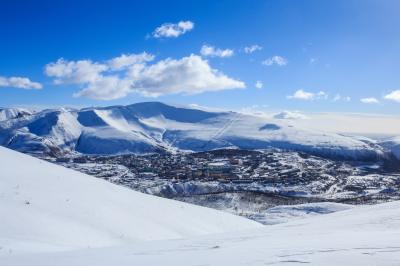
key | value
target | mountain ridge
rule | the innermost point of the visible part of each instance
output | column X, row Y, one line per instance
column 154, row 126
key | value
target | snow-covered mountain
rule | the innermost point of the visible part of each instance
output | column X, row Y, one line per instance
column 393, row 145
column 153, row 126
column 48, row 207
column 52, row 215
column 11, row 113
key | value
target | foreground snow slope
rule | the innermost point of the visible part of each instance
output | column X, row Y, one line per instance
column 361, row 236
column 45, row 207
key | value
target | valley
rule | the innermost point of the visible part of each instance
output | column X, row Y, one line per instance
column 239, row 163
column 246, row 183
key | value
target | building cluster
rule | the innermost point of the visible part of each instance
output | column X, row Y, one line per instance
column 226, row 166
column 283, row 172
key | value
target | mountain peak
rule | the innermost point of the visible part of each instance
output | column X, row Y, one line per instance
column 180, row 114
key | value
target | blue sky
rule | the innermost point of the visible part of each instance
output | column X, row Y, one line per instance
column 319, row 56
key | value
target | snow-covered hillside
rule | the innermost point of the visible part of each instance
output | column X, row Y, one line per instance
column 11, row 113
column 392, row 144
column 151, row 127
column 45, row 207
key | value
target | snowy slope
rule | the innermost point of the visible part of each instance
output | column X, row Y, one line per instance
column 11, row 113
column 396, row 150
column 153, row 127
column 251, row 132
column 366, row 235
column 287, row 213
column 46, row 132
column 392, row 144
column 45, row 207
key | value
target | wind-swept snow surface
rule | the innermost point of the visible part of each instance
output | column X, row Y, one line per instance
column 45, row 207
column 360, row 236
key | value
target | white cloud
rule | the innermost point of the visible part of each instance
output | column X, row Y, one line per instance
column 321, row 95
column 118, row 77
column 211, row 51
column 313, row 60
column 126, row 60
column 302, row 95
column 19, row 82
column 188, row 75
column 253, row 48
column 339, row 97
column 259, row 84
column 254, row 109
column 275, row 60
column 393, row 96
column 370, row 100
column 290, row 115
column 106, row 88
column 173, row 30
column 75, row 72
column 308, row 96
